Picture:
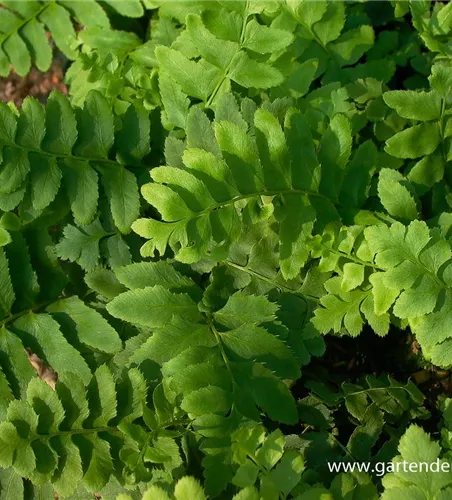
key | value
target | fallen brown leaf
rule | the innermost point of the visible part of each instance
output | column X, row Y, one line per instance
column 45, row 373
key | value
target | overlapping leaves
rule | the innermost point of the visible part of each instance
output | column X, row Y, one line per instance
column 405, row 272
column 67, row 437
column 56, row 329
column 23, row 27
column 214, row 362
column 239, row 175
column 276, row 216
column 224, row 45
column 45, row 150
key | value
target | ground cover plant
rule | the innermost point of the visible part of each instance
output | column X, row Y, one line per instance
column 225, row 254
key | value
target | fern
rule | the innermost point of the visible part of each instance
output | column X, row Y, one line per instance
column 296, row 189
column 88, row 244
column 44, row 150
column 226, row 56
column 332, row 44
column 432, row 151
column 379, row 410
column 424, row 451
column 57, row 329
column 259, row 173
column 205, row 211
column 23, row 26
column 433, row 26
column 229, row 368
column 120, row 66
column 186, row 488
column 409, row 277
column 74, row 428
column 235, row 361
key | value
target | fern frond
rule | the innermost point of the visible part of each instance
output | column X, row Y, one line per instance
column 391, row 396
column 405, row 273
column 222, row 56
column 212, row 362
column 34, row 317
column 45, row 150
column 77, row 429
column 417, row 446
column 187, row 488
column 415, row 264
column 348, row 299
column 23, row 28
column 131, row 78
column 88, row 245
column 235, row 177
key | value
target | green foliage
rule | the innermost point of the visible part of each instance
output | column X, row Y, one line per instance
column 378, row 408
column 403, row 272
column 23, row 28
column 186, row 488
column 416, row 447
column 245, row 179
column 46, row 435
column 227, row 189
column 44, row 150
column 240, row 349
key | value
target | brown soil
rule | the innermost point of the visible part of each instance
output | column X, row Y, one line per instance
column 39, row 85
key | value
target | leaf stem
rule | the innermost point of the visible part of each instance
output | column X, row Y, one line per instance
column 24, row 22
column 33, row 309
column 226, row 71
column 272, row 282
column 71, row 157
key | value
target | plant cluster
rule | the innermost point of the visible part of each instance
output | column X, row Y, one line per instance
column 228, row 188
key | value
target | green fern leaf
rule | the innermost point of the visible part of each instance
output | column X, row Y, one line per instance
column 15, row 364
column 247, row 347
column 43, row 331
column 416, row 447
column 122, row 191
column 81, row 182
column 34, row 35
column 23, row 276
column 133, row 139
column 129, row 8
column 88, row 13
column 96, row 127
column 144, row 274
column 31, row 124
column 423, row 106
column 23, row 29
column 414, row 142
column 6, row 395
column 45, row 179
column 153, row 307
column 61, row 133
column 12, row 486
column 43, row 146
column 207, row 204
column 396, row 195
column 82, row 245
column 17, row 52
column 57, row 19
column 46, row 435
column 411, row 258
column 226, row 55
column 7, row 296
column 91, row 328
